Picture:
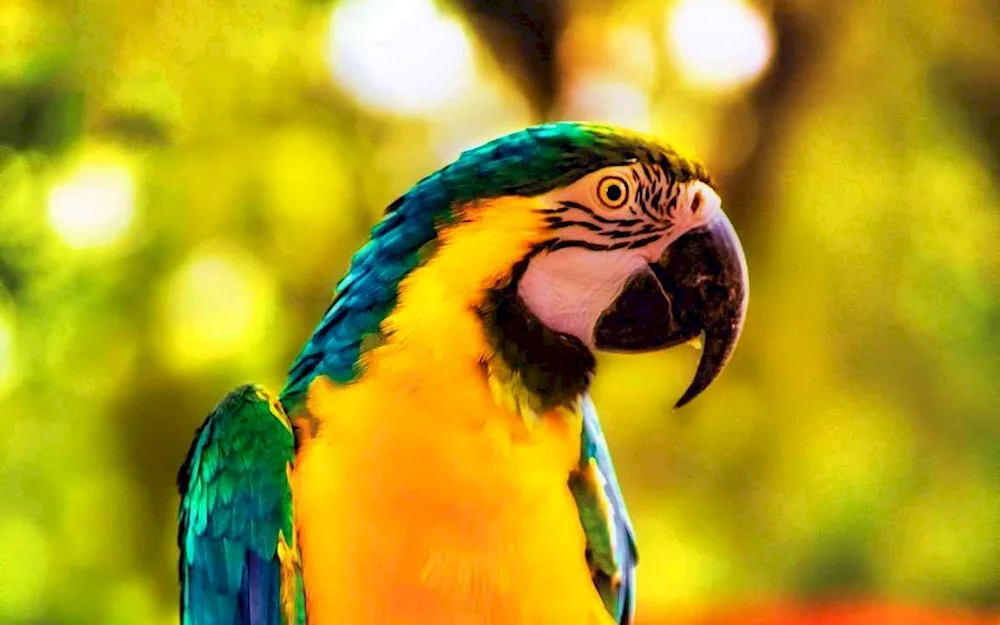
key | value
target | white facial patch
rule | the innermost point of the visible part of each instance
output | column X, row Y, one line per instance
column 569, row 289
column 570, row 286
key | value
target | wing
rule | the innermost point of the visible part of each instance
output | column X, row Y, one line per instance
column 239, row 563
column 610, row 540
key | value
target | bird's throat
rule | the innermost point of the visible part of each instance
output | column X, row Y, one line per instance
column 534, row 367
column 461, row 311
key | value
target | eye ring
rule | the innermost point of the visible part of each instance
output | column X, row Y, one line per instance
column 613, row 191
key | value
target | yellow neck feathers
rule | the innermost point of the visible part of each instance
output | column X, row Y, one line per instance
column 435, row 328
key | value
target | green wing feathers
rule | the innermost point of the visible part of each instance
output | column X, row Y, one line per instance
column 239, row 562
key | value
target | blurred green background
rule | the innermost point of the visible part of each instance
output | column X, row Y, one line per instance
column 183, row 181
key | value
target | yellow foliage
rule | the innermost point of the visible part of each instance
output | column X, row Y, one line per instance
column 182, row 182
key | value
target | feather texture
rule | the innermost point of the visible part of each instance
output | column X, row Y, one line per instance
column 410, row 314
column 610, row 539
column 236, row 516
column 525, row 163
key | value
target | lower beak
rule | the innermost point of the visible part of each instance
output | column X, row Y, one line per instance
column 698, row 287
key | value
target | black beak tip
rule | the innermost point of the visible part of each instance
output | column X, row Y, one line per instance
column 693, row 390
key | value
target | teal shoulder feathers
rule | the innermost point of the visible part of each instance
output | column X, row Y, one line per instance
column 238, row 562
column 611, row 551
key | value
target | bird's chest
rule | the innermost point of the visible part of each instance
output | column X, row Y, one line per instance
column 415, row 516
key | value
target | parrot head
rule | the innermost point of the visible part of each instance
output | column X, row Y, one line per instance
column 641, row 257
column 593, row 238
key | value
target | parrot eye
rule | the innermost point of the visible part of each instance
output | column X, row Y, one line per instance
column 612, row 191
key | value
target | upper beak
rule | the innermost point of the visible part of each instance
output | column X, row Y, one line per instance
column 699, row 286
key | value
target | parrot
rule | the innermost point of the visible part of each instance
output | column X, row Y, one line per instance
column 434, row 455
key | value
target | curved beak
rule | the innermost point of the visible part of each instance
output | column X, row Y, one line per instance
column 698, row 287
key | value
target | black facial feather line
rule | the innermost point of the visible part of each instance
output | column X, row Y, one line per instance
column 655, row 198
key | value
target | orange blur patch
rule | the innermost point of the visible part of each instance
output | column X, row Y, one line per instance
column 838, row 614
column 420, row 500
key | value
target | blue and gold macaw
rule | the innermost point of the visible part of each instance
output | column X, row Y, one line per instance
column 434, row 456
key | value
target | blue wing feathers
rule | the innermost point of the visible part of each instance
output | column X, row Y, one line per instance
column 259, row 592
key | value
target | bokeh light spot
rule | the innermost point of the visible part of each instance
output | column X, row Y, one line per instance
column 7, row 354
column 401, row 56
column 218, row 304
column 496, row 107
column 26, row 30
column 24, row 563
column 97, row 499
column 132, row 601
column 610, row 100
column 719, row 44
column 94, row 205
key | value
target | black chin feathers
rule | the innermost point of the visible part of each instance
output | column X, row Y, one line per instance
column 553, row 366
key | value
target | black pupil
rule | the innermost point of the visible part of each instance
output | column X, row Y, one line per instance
column 614, row 192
